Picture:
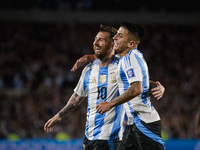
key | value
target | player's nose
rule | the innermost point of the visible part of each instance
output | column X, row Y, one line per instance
column 115, row 37
column 95, row 42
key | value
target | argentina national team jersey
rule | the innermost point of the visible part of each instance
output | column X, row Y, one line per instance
column 100, row 84
column 132, row 67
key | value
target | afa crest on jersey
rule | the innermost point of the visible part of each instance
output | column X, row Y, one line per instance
column 103, row 79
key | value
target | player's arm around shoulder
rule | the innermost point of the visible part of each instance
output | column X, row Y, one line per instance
column 157, row 89
column 134, row 90
column 83, row 60
column 73, row 103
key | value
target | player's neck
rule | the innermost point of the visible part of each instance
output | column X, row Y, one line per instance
column 123, row 53
column 106, row 61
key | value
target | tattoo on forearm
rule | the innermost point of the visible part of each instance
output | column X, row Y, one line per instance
column 73, row 103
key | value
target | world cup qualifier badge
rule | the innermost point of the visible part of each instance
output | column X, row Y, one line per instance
column 130, row 73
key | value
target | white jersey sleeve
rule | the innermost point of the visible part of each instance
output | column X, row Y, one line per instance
column 81, row 89
column 132, row 69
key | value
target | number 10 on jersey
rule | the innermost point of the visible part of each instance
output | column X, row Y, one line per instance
column 102, row 93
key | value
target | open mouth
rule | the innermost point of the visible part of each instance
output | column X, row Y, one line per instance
column 97, row 49
column 116, row 44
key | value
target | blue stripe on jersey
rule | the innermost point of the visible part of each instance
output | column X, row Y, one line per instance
column 86, row 79
column 123, row 78
column 150, row 134
column 127, row 60
column 145, row 78
column 115, row 60
column 135, row 116
column 102, row 96
column 85, row 84
column 116, row 124
column 126, row 86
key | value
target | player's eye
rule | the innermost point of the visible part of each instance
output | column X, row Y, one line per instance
column 120, row 35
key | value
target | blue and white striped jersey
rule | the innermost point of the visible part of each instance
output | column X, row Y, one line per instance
column 132, row 67
column 100, row 84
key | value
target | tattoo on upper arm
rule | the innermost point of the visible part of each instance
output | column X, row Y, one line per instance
column 73, row 103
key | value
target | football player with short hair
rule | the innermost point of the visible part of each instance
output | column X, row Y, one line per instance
column 144, row 126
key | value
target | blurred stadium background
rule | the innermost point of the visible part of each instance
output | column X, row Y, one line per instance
column 40, row 40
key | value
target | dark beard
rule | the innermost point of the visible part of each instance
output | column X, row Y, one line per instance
column 100, row 56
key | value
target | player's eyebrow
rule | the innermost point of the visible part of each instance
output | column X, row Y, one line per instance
column 100, row 38
column 120, row 34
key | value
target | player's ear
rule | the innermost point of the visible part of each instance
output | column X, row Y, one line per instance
column 132, row 44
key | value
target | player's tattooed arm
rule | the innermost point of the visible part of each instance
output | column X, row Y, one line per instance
column 134, row 90
column 83, row 60
column 73, row 103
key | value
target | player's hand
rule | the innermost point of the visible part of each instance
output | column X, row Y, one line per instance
column 103, row 107
column 80, row 62
column 158, row 91
column 83, row 60
column 48, row 127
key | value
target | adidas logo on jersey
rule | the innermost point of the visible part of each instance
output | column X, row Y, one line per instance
column 93, row 81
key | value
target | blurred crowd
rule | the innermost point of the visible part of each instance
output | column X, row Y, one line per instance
column 36, row 81
column 103, row 5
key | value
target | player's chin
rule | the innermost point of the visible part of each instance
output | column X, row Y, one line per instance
column 98, row 55
column 116, row 49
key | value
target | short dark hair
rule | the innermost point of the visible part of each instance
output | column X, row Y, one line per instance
column 111, row 30
column 134, row 28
